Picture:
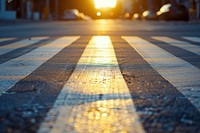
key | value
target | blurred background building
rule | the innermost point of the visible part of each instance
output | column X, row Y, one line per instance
column 27, row 9
column 53, row 9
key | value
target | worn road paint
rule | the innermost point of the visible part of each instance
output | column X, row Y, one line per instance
column 180, row 44
column 14, row 70
column 194, row 39
column 6, row 39
column 96, row 97
column 181, row 74
column 19, row 44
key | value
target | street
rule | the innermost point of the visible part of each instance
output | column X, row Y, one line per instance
column 118, row 76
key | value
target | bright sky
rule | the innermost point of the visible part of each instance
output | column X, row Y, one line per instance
column 105, row 3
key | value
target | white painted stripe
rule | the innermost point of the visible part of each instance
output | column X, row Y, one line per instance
column 6, row 39
column 23, row 43
column 194, row 39
column 184, row 45
column 14, row 70
column 181, row 74
column 80, row 107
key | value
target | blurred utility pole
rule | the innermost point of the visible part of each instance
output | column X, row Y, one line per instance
column 47, row 10
column 56, row 8
column 198, row 9
column 28, row 9
column 2, row 4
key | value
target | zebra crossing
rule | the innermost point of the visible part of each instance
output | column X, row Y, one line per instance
column 180, row 44
column 19, row 44
column 6, row 39
column 97, row 96
column 14, row 70
column 178, row 72
column 195, row 39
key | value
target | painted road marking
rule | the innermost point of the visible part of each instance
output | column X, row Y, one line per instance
column 96, row 97
column 194, row 39
column 23, row 43
column 14, row 70
column 181, row 74
column 184, row 45
column 6, row 39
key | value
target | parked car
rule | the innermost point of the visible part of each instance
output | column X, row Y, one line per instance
column 71, row 14
column 84, row 17
column 173, row 12
column 149, row 15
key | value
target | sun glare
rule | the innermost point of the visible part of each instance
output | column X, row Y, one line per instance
column 105, row 3
column 98, row 13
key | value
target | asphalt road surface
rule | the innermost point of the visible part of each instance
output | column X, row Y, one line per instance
column 100, row 76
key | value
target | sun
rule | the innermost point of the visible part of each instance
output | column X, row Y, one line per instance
column 105, row 3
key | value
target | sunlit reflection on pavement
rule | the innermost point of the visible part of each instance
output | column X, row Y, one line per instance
column 96, row 97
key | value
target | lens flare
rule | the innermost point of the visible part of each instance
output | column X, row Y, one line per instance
column 99, row 14
column 105, row 3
